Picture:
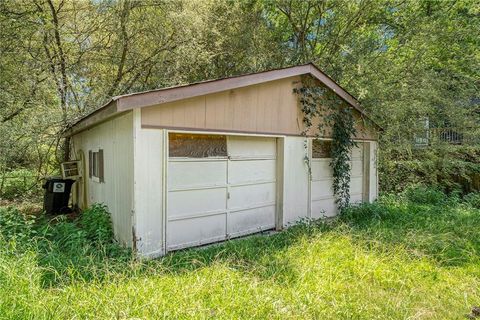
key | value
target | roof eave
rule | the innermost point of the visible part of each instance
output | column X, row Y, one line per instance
column 107, row 111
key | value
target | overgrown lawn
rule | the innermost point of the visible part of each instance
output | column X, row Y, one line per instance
column 414, row 256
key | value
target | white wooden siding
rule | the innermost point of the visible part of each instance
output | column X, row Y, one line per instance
column 149, row 202
column 356, row 174
column 115, row 138
column 371, row 164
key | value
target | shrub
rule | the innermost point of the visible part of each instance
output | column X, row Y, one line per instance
column 445, row 167
column 15, row 225
column 425, row 195
column 66, row 249
column 96, row 223
column 20, row 183
column 82, row 248
column 473, row 199
column 66, row 234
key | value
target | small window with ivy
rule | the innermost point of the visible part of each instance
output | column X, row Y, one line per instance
column 321, row 149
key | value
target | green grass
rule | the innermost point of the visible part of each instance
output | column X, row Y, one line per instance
column 415, row 256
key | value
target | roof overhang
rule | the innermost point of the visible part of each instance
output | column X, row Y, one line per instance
column 124, row 103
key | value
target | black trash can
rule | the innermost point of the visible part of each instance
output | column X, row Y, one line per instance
column 57, row 195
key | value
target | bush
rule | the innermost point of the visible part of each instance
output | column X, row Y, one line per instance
column 20, row 183
column 66, row 249
column 473, row 199
column 16, row 226
column 96, row 222
column 425, row 195
column 447, row 168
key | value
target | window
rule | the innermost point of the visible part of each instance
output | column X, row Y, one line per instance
column 321, row 149
column 197, row 145
column 95, row 165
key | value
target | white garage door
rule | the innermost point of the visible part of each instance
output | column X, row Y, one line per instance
column 219, row 187
column 321, row 186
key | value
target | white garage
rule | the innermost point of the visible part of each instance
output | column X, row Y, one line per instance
column 196, row 164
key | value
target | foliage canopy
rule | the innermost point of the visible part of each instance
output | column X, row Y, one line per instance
column 60, row 59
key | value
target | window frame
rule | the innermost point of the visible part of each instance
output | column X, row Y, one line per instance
column 96, row 170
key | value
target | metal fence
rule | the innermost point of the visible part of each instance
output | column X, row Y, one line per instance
column 455, row 136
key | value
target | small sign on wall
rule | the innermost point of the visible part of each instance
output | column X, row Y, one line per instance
column 59, row 187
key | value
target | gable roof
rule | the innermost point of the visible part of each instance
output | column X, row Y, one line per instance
column 123, row 103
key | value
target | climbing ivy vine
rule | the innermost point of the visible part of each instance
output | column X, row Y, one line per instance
column 338, row 121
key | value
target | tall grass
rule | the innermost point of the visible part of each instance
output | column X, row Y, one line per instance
column 414, row 256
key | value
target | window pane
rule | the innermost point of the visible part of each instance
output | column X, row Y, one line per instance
column 197, row 145
column 100, row 166
column 90, row 163
column 321, row 149
column 95, row 164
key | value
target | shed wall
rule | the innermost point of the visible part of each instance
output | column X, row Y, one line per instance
column 115, row 137
column 150, row 149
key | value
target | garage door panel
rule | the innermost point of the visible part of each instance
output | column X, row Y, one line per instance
column 188, row 174
column 321, row 169
column 251, row 195
column 196, row 231
column 357, row 152
column 251, row 147
column 356, row 185
column 324, row 208
column 251, row 220
column 356, row 168
column 192, row 202
column 322, row 189
column 251, row 170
